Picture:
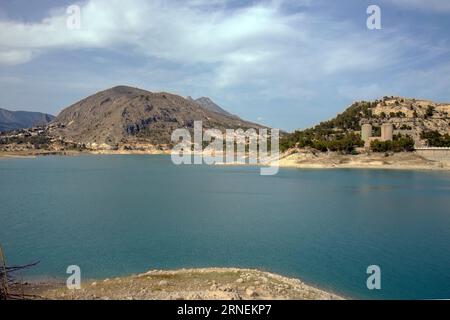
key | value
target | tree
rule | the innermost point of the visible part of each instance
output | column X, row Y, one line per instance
column 400, row 143
column 435, row 139
column 429, row 112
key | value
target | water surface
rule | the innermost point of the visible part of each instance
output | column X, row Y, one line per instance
column 116, row 215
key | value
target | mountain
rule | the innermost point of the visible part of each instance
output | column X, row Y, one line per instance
column 124, row 115
column 419, row 120
column 11, row 120
column 210, row 105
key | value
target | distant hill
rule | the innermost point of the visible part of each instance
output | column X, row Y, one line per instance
column 410, row 117
column 210, row 105
column 125, row 114
column 11, row 120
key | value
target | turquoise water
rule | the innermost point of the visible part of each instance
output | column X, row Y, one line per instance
column 116, row 215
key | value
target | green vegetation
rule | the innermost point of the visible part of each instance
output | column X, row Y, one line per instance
column 405, row 127
column 400, row 143
column 333, row 135
column 376, row 131
column 429, row 112
column 342, row 133
column 322, row 141
column 337, row 134
column 350, row 118
column 435, row 139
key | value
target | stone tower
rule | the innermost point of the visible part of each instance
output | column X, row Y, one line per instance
column 366, row 132
column 387, row 132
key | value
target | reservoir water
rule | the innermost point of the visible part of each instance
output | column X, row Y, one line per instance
column 117, row 215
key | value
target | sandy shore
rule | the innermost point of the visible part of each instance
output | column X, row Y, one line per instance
column 186, row 284
column 397, row 161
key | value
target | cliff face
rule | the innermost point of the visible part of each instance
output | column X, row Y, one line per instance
column 130, row 115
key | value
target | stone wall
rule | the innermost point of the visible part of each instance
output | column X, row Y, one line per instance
column 435, row 154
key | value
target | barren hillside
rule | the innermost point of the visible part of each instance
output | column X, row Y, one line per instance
column 129, row 115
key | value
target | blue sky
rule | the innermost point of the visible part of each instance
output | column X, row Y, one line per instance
column 285, row 63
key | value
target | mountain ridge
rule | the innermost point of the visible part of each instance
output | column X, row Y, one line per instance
column 123, row 115
column 13, row 120
column 208, row 104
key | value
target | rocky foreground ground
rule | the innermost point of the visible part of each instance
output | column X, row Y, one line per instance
column 187, row 284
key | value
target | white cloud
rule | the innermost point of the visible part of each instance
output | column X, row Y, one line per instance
column 165, row 30
column 14, row 56
column 241, row 42
column 276, row 52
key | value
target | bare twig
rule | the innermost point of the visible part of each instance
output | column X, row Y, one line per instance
column 7, row 280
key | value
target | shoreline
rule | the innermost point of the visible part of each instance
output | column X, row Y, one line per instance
column 185, row 284
column 301, row 160
column 382, row 161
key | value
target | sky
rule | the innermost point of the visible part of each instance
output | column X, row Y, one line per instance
column 288, row 64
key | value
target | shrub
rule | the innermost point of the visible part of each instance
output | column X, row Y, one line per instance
column 399, row 144
column 429, row 112
column 435, row 139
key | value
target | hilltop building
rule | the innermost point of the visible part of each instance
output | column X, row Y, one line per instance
column 387, row 133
